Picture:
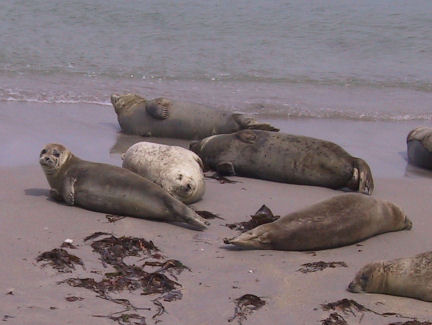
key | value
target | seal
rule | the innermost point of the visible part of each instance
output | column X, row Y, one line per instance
column 162, row 117
column 177, row 170
column 342, row 220
column 419, row 147
column 406, row 277
column 285, row 158
column 110, row 189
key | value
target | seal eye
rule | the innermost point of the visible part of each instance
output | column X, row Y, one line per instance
column 56, row 153
column 43, row 152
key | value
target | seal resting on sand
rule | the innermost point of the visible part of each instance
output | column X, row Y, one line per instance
column 176, row 169
column 162, row 117
column 284, row 158
column 342, row 220
column 407, row 277
column 110, row 189
column 419, row 147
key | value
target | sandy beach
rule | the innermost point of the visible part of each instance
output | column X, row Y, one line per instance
column 31, row 223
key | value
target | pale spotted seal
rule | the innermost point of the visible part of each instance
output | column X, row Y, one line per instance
column 407, row 277
column 110, row 189
column 162, row 117
column 284, row 158
column 342, row 220
column 176, row 169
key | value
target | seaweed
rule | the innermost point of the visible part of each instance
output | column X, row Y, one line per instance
column 246, row 305
column 208, row 215
column 60, row 260
column 412, row 322
column 319, row 266
column 334, row 319
column 113, row 251
column 113, row 218
column 262, row 216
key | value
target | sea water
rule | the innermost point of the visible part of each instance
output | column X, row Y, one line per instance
column 360, row 60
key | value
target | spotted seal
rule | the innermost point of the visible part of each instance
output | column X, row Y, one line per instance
column 407, row 277
column 166, row 118
column 342, row 220
column 176, row 169
column 110, row 189
column 284, row 158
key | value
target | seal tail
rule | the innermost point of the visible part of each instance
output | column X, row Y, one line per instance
column 250, row 123
column 365, row 180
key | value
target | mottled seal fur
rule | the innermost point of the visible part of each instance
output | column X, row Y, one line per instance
column 162, row 117
column 419, row 147
column 176, row 169
column 110, row 189
column 342, row 220
column 284, row 158
column 407, row 277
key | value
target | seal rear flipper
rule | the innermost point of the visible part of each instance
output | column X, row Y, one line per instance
column 225, row 168
column 365, row 180
column 246, row 122
column 158, row 108
column 193, row 219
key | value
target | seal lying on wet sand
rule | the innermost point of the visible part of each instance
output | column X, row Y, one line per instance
column 419, row 147
column 110, row 189
column 284, row 158
column 177, row 170
column 161, row 117
column 408, row 277
column 342, row 220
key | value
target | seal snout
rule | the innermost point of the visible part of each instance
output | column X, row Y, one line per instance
column 195, row 146
column 114, row 99
column 352, row 287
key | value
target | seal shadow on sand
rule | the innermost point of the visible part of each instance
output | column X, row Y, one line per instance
column 37, row 192
column 414, row 171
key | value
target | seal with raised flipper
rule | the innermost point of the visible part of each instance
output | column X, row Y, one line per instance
column 166, row 118
column 110, row 189
column 177, row 170
column 419, row 147
column 287, row 158
column 407, row 277
column 339, row 221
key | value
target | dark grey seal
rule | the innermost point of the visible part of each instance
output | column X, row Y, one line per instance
column 342, row 220
column 419, row 147
column 162, row 117
column 110, row 189
column 284, row 158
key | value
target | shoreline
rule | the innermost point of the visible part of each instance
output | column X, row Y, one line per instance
column 31, row 224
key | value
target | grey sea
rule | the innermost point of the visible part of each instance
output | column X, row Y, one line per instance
column 362, row 60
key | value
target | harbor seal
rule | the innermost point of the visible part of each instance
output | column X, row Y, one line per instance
column 419, row 147
column 407, row 277
column 110, row 189
column 177, row 170
column 285, row 158
column 342, row 220
column 162, row 117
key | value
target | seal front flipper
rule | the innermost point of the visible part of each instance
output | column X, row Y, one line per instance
column 158, row 108
column 225, row 168
column 69, row 190
column 55, row 195
column 246, row 122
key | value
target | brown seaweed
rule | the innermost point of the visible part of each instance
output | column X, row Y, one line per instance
column 412, row 322
column 113, row 218
column 246, row 305
column 73, row 298
column 334, row 319
column 126, row 319
column 319, row 266
column 60, row 260
column 208, row 215
column 262, row 216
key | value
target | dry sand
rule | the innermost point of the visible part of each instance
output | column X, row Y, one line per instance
column 30, row 223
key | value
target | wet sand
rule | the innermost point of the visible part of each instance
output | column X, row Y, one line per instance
column 31, row 223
